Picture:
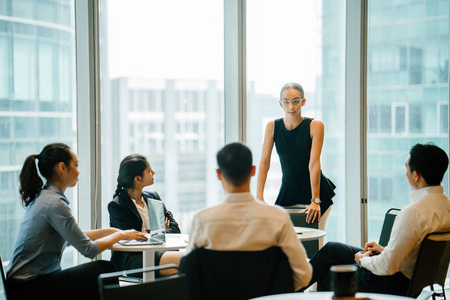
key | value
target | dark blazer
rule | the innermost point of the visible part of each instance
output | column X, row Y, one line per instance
column 124, row 215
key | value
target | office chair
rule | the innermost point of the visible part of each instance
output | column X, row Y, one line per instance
column 299, row 220
column 431, row 265
column 389, row 219
column 234, row 275
column 171, row 287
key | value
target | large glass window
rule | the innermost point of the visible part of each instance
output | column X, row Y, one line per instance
column 407, row 95
column 163, row 97
column 304, row 42
column 35, row 108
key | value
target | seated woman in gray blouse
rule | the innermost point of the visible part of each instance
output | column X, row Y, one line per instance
column 48, row 225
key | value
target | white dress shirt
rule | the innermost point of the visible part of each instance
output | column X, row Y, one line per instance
column 243, row 223
column 429, row 212
column 143, row 212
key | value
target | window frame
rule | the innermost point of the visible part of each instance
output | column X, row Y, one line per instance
column 440, row 104
column 88, row 212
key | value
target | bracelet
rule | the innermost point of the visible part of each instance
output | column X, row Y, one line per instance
column 359, row 262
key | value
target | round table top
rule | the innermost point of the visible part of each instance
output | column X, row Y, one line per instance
column 309, row 234
column 329, row 295
column 174, row 241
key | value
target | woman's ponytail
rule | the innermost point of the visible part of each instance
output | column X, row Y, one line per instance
column 30, row 181
column 119, row 190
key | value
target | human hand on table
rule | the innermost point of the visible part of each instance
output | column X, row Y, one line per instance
column 313, row 213
column 167, row 222
column 132, row 234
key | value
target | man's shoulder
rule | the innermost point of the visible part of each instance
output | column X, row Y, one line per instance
column 209, row 210
column 261, row 207
column 424, row 209
column 271, row 211
column 428, row 202
column 277, row 209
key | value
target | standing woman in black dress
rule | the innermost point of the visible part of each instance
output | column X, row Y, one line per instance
column 299, row 142
column 129, row 209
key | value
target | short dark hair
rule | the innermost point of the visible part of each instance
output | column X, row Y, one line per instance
column 235, row 163
column 429, row 161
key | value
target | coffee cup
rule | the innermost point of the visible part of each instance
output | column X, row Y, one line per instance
column 343, row 280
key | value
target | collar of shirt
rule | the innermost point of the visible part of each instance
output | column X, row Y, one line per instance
column 135, row 203
column 239, row 197
column 416, row 195
column 53, row 187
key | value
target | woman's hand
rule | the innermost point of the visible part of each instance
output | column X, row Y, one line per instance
column 260, row 198
column 108, row 241
column 313, row 213
column 167, row 222
column 132, row 234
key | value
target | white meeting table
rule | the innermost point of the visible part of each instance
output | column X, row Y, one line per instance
column 309, row 234
column 174, row 241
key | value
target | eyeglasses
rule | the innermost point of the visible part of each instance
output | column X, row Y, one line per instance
column 294, row 102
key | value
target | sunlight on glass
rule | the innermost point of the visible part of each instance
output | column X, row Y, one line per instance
column 162, row 96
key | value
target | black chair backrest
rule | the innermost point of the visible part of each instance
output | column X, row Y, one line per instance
column 236, row 274
column 3, row 295
column 389, row 219
column 299, row 220
column 172, row 287
column 432, row 263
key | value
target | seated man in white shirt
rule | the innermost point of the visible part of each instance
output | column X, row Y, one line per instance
column 243, row 223
column 389, row 270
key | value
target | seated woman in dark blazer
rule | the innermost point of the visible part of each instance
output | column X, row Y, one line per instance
column 128, row 210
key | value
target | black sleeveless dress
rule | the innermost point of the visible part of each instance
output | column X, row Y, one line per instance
column 294, row 149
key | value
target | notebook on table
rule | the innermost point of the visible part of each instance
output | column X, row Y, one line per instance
column 157, row 234
column 300, row 230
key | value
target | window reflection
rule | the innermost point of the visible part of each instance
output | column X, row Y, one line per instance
column 167, row 102
column 37, row 96
column 407, row 83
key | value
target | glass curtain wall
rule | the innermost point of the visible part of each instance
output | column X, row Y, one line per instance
column 304, row 42
column 407, row 95
column 163, row 96
column 37, row 97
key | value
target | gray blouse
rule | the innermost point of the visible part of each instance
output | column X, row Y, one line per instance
column 47, row 227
